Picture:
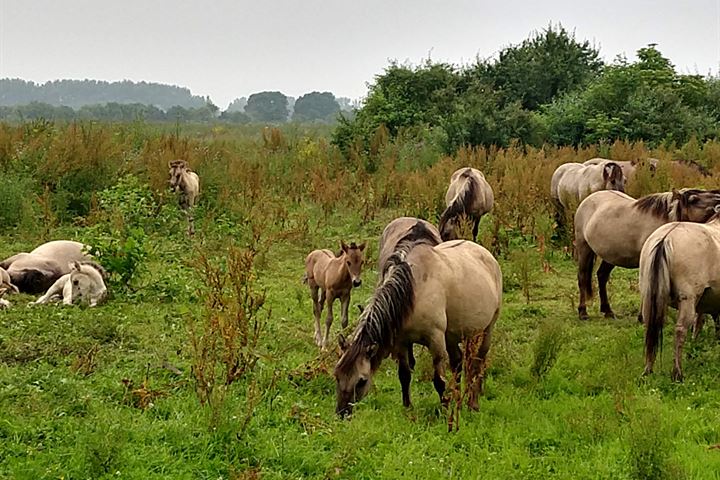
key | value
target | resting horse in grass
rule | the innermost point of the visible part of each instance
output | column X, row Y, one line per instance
column 36, row 271
column 679, row 267
column 84, row 283
column 614, row 227
column 187, row 182
column 469, row 195
column 332, row 277
column 432, row 294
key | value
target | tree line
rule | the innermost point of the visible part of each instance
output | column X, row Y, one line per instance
column 551, row 88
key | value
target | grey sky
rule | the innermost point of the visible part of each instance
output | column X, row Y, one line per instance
column 228, row 49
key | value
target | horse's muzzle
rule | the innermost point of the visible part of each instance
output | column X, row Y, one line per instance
column 357, row 282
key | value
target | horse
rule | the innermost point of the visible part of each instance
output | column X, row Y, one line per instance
column 614, row 226
column 84, row 282
column 571, row 183
column 434, row 294
column 187, row 182
column 393, row 232
column 6, row 282
column 332, row 276
column 36, row 271
column 470, row 195
column 678, row 266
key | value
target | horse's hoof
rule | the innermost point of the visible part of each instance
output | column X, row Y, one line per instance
column 677, row 376
column 610, row 315
column 474, row 406
column 640, row 318
column 583, row 316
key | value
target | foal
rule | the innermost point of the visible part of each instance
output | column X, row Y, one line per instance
column 332, row 277
column 188, row 183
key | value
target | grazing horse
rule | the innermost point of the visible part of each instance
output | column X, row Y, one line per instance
column 572, row 182
column 36, row 271
column 84, row 283
column 187, row 182
column 393, row 232
column 678, row 267
column 432, row 294
column 469, row 195
column 332, row 277
column 614, row 227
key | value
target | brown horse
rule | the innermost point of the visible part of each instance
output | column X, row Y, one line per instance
column 614, row 227
column 36, row 271
column 332, row 277
column 393, row 232
column 678, row 267
column 187, row 182
column 468, row 195
column 572, row 182
column 432, row 294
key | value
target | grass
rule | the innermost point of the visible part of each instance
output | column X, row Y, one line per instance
column 109, row 392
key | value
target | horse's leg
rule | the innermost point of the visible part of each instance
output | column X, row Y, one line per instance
column 685, row 320
column 698, row 325
column 603, row 275
column 440, row 356
column 716, row 321
column 344, row 305
column 317, row 310
column 475, row 228
column 329, row 318
column 586, row 259
column 318, row 329
column 404, row 373
column 411, row 357
column 191, row 221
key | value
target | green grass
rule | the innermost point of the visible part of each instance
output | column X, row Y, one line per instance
column 65, row 413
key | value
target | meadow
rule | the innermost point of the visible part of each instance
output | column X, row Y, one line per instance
column 202, row 362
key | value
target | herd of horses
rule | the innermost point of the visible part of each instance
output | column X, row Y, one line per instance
column 438, row 291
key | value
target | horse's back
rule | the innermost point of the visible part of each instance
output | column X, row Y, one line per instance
column 394, row 231
column 61, row 251
column 484, row 199
column 316, row 263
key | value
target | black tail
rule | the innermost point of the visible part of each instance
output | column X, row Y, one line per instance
column 462, row 202
column 655, row 289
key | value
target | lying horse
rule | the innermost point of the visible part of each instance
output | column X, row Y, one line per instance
column 6, row 282
column 36, row 271
column 187, row 182
column 84, row 283
column 678, row 267
column 333, row 277
column 469, row 195
column 572, row 182
column 432, row 294
column 614, row 227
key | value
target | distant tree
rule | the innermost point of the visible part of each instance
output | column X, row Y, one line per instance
column 316, row 106
column 267, row 107
column 347, row 104
column 237, row 105
column 234, row 117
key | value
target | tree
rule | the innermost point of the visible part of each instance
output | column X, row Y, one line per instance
column 237, row 105
column 316, row 106
column 267, row 107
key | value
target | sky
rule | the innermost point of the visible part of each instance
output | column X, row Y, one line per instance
column 232, row 48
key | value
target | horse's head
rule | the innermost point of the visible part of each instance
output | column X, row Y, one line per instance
column 86, row 284
column 6, row 283
column 354, row 260
column 695, row 205
column 177, row 168
column 613, row 177
column 353, row 374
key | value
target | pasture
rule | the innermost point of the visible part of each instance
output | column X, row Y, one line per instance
column 202, row 364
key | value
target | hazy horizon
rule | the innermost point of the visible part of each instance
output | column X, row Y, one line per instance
column 230, row 49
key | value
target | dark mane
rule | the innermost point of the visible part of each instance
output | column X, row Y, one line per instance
column 657, row 204
column 461, row 203
column 353, row 246
column 391, row 303
column 103, row 273
column 703, row 170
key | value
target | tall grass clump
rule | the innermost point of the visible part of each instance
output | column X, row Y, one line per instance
column 650, row 446
column 547, row 347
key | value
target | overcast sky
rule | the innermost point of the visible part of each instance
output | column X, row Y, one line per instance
column 232, row 48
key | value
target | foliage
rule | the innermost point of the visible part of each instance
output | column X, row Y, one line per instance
column 316, row 106
column 267, row 107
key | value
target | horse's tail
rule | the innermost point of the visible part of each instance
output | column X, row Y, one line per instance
column 654, row 292
column 462, row 202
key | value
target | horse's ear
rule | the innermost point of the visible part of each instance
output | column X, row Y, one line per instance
column 342, row 343
column 74, row 267
column 361, row 247
column 717, row 208
column 607, row 171
column 343, row 246
column 362, row 309
column 372, row 350
column 170, row 164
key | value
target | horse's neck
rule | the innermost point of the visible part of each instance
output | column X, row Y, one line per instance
column 338, row 268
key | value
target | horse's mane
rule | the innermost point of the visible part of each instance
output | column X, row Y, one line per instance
column 103, row 273
column 703, row 170
column 353, row 246
column 462, row 201
column 391, row 303
column 660, row 205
